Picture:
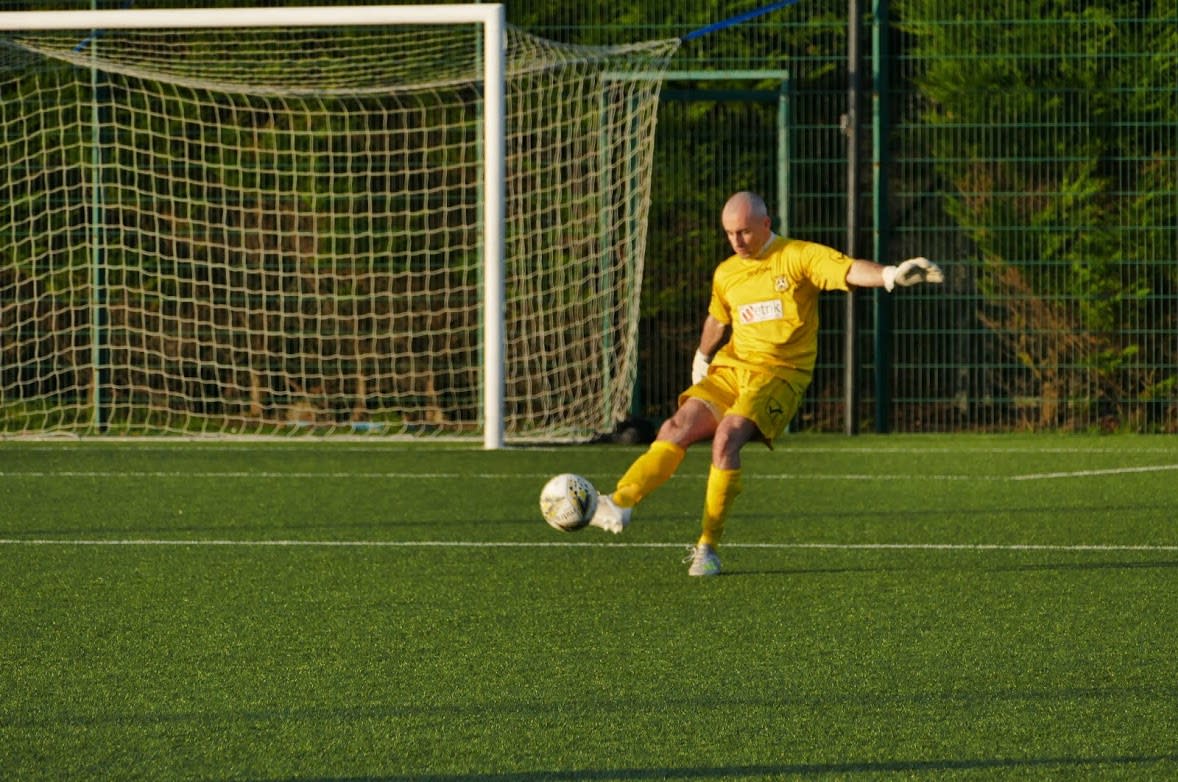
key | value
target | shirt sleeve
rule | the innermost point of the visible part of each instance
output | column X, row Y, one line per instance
column 717, row 306
column 827, row 268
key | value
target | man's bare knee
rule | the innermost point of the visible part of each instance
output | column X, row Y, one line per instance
column 731, row 436
column 692, row 422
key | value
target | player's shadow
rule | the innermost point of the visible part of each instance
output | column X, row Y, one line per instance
column 737, row 572
column 924, row 567
column 734, row 569
column 1034, row 566
column 1119, row 764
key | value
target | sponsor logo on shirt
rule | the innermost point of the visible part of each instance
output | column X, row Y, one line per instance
column 760, row 311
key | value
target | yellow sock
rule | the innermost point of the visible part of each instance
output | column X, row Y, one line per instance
column 723, row 486
column 648, row 472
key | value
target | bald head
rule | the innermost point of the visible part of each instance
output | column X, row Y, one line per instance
column 747, row 201
column 746, row 223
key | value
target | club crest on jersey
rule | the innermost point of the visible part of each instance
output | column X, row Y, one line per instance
column 780, row 284
column 761, row 311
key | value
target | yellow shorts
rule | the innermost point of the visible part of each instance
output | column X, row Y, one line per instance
column 768, row 401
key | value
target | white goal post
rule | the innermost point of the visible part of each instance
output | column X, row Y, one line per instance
column 241, row 203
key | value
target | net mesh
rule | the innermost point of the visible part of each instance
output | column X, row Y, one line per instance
column 247, row 232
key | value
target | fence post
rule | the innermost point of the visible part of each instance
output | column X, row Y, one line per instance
column 851, row 128
column 880, row 121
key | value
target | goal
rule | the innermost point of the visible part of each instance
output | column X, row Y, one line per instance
column 379, row 220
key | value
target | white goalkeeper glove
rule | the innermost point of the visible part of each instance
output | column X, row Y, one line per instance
column 699, row 366
column 910, row 272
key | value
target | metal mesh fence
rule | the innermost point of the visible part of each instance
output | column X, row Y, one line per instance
column 1035, row 156
column 1028, row 148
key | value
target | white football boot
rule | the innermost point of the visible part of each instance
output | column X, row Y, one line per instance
column 610, row 516
column 704, row 561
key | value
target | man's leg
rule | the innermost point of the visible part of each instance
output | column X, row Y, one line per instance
column 724, row 482
column 648, row 472
column 762, row 411
column 693, row 421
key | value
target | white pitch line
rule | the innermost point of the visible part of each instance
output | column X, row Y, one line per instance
column 252, row 475
column 365, row 445
column 129, row 542
column 279, row 475
column 454, row 475
column 1086, row 473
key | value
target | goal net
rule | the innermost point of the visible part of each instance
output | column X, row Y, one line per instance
column 280, row 230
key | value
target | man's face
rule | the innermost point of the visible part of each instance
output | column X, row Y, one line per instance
column 746, row 234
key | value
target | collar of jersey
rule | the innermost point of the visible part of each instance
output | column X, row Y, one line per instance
column 765, row 247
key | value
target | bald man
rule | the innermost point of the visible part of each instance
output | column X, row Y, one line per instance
column 756, row 355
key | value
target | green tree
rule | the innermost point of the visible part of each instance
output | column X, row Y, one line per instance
column 1047, row 135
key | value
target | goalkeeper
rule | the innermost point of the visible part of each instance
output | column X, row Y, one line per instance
column 756, row 354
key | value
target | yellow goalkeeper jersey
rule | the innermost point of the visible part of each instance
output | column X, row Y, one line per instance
column 771, row 304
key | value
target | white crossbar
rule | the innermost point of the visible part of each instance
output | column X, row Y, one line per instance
column 299, row 16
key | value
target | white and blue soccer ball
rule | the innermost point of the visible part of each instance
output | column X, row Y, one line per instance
column 568, row 502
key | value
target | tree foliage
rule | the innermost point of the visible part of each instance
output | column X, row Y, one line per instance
column 1056, row 143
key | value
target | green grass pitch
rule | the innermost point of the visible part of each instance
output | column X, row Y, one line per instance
column 915, row 607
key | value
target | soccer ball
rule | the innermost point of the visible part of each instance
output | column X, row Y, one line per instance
column 568, row 502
